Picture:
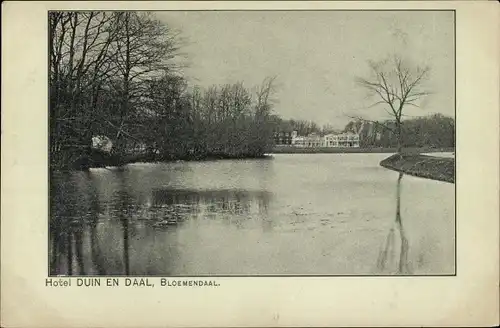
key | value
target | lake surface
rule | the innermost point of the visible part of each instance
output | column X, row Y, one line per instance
column 324, row 214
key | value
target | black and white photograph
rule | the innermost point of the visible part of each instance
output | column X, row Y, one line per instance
column 251, row 143
column 250, row 164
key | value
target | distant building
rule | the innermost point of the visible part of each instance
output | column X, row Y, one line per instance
column 313, row 140
column 341, row 140
column 349, row 139
column 331, row 140
column 283, row 138
column 299, row 141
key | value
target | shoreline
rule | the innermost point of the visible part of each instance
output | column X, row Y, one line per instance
column 100, row 159
column 422, row 166
column 410, row 164
column 371, row 150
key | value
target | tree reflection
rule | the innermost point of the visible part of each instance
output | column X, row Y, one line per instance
column 221, row 201
column 123, row 207
column 81, row 243
column 78, row 237
column 388, row 252
column 67, row 223
column 74, row 215
column 95, row 252
column 60, row 229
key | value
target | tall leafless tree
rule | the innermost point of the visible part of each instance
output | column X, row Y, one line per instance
column 100, row 63
column 79, row 62
column 144, row 50
column 397, row 85
column 263, row 107
column 114, row 74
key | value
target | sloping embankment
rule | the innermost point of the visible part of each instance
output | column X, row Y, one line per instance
column 430, row 167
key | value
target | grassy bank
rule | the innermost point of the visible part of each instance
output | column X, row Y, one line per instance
column 430, row 167
column 338, row 150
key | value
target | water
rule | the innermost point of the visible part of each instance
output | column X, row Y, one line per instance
column 442, row 154
column 293, row 214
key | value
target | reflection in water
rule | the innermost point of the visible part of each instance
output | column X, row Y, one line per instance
column 389, row 249
column 122, row 207
column 66, row 231
column 219, row 201
column 322, row 214
column 73, row 218
column 95, row 253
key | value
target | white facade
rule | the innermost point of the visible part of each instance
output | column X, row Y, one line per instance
column 330, row 140
column 298, row 141
column 314, row 141
column 348, row 140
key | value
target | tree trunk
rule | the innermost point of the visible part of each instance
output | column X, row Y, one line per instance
column 403, row 255
column 399, row 137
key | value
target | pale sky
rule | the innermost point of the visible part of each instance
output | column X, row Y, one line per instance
column 316, row 55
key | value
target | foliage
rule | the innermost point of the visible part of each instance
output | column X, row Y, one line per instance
column 117, row 74
column 396, row 84
column 302, row 127
column 428, row 131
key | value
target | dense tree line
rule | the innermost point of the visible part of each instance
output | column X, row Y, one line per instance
column 116, row 74
column 434, row 131
column 429, row 131
column 303, row 127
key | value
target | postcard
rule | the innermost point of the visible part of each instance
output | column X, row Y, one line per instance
column 250, row 164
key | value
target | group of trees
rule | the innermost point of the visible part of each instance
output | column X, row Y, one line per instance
column 437, row 131
column 98, row 64
column 434, row 130
column 118, row 74
column 303, row 127
column 396, row 85
column 229, row 120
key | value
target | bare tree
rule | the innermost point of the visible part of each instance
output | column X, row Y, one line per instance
column 397, row 85
column 264, row 95
column 79, row 62
column 263, row 106
column 116, row 74
column 100, row 65
column 144, row 50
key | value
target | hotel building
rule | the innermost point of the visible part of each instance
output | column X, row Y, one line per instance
column 341, row 140
column 313, row 140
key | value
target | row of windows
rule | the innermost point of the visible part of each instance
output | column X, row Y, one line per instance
column 328, row 144
column 333, row 143
column 343, row 138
